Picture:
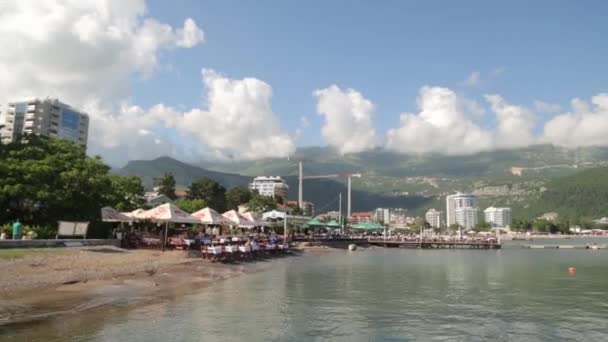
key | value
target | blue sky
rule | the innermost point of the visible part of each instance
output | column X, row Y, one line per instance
column 547, row 50
column 451, row 77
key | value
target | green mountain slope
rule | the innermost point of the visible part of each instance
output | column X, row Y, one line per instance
column 184, row 173
column 323, row 192
column 553, row 178
column 584, row 195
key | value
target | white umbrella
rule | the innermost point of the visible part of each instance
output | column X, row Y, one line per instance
column 166, row 213
column 210, row 216
column 238, row 219
column 109, row 214
column 257, row 222
column 135, row 213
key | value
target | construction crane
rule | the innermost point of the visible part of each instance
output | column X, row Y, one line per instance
column 348, row 176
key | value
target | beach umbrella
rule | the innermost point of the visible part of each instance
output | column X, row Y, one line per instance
column 237, row 219
column 109, row 214
column 210, row 216
column 332, row 224
column 315, row 222
column 168, row 213
column 135, row 214
column 368, row 226
column 256, row 221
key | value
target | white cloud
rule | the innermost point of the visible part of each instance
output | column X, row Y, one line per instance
column 545, row 107
column 238, row 122
column 190, row 35
column 585, row 125
column 82, row 50
column 87, row 53
column 473, row 79
column 445, row 124
column 514, row 124
column 348, row 119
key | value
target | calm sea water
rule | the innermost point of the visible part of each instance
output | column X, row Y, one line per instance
column 512, row 294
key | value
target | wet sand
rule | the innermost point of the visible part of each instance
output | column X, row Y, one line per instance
column 78, row 279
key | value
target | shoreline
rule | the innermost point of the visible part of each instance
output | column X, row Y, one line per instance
column 71, row 281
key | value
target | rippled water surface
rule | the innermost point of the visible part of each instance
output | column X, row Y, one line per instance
column 373, row 295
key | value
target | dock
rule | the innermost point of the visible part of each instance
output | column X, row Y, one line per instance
column 343, row 242
column 437, row 244
column 593, row 247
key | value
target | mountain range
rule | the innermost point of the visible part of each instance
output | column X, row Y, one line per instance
column 517, row 178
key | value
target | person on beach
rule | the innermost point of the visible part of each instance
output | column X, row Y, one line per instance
column 17, row 230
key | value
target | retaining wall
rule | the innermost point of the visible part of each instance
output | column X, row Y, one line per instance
column 57, row 243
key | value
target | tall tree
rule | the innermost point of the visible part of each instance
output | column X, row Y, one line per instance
column 236, row 196
column 46, row 180
column 260, row 203
column 190, row 205
column 167, row 185
column 127, row 194
column 210, row 191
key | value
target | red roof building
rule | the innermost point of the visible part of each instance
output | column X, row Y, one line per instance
column 361, row 217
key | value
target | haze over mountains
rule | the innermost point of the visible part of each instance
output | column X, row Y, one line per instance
column 516, row 177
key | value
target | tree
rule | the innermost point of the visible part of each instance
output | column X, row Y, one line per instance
column 167, row 185
column 482, row 227
column 127, row 194
column 210, row 191
column 236, row 196
column 454, row 227
column 45, row 180
column 541, row 226
column 295, row 209
column 260, row 203
column 190, row 205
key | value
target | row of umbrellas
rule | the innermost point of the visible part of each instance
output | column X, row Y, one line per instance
column 333, row 224
column 169, row 212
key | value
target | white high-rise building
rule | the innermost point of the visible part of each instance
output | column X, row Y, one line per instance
column 382, row 215
column 466, row 217
column 273, row 186
column 457, row 201
column 434, row 218
column 498, row 217
column 48, row 117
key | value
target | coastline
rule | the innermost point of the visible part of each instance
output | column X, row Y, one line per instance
column 68, row 281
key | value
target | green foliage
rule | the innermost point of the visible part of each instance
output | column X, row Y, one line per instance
column 127, row 192
column 236, row 196
column 582, row 195
column 190, row 205
column 482, row 227
column 260, row 203
column 210, row 191
column 454, row 227
column 166, row 185
column 46, row 180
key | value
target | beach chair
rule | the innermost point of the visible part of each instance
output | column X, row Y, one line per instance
column 231, row 252
column 246, row 252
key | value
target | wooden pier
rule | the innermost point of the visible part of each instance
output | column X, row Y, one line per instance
column 437, row 244
column 565, row 246
column 343, row 242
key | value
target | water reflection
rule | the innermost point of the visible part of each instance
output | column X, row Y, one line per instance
column 513, row 294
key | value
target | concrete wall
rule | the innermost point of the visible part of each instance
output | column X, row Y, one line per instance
column 57, row 243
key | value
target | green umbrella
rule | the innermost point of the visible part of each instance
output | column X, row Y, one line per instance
column 332, row 224
column 368, row 226
column 315, row 222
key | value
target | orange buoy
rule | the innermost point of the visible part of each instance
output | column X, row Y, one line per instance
column 571, row 270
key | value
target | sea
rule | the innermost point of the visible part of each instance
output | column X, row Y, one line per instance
column 373, row 294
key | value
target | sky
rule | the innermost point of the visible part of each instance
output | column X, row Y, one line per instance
column 248, row 80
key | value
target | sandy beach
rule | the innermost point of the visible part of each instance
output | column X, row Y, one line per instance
column 67, row 281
